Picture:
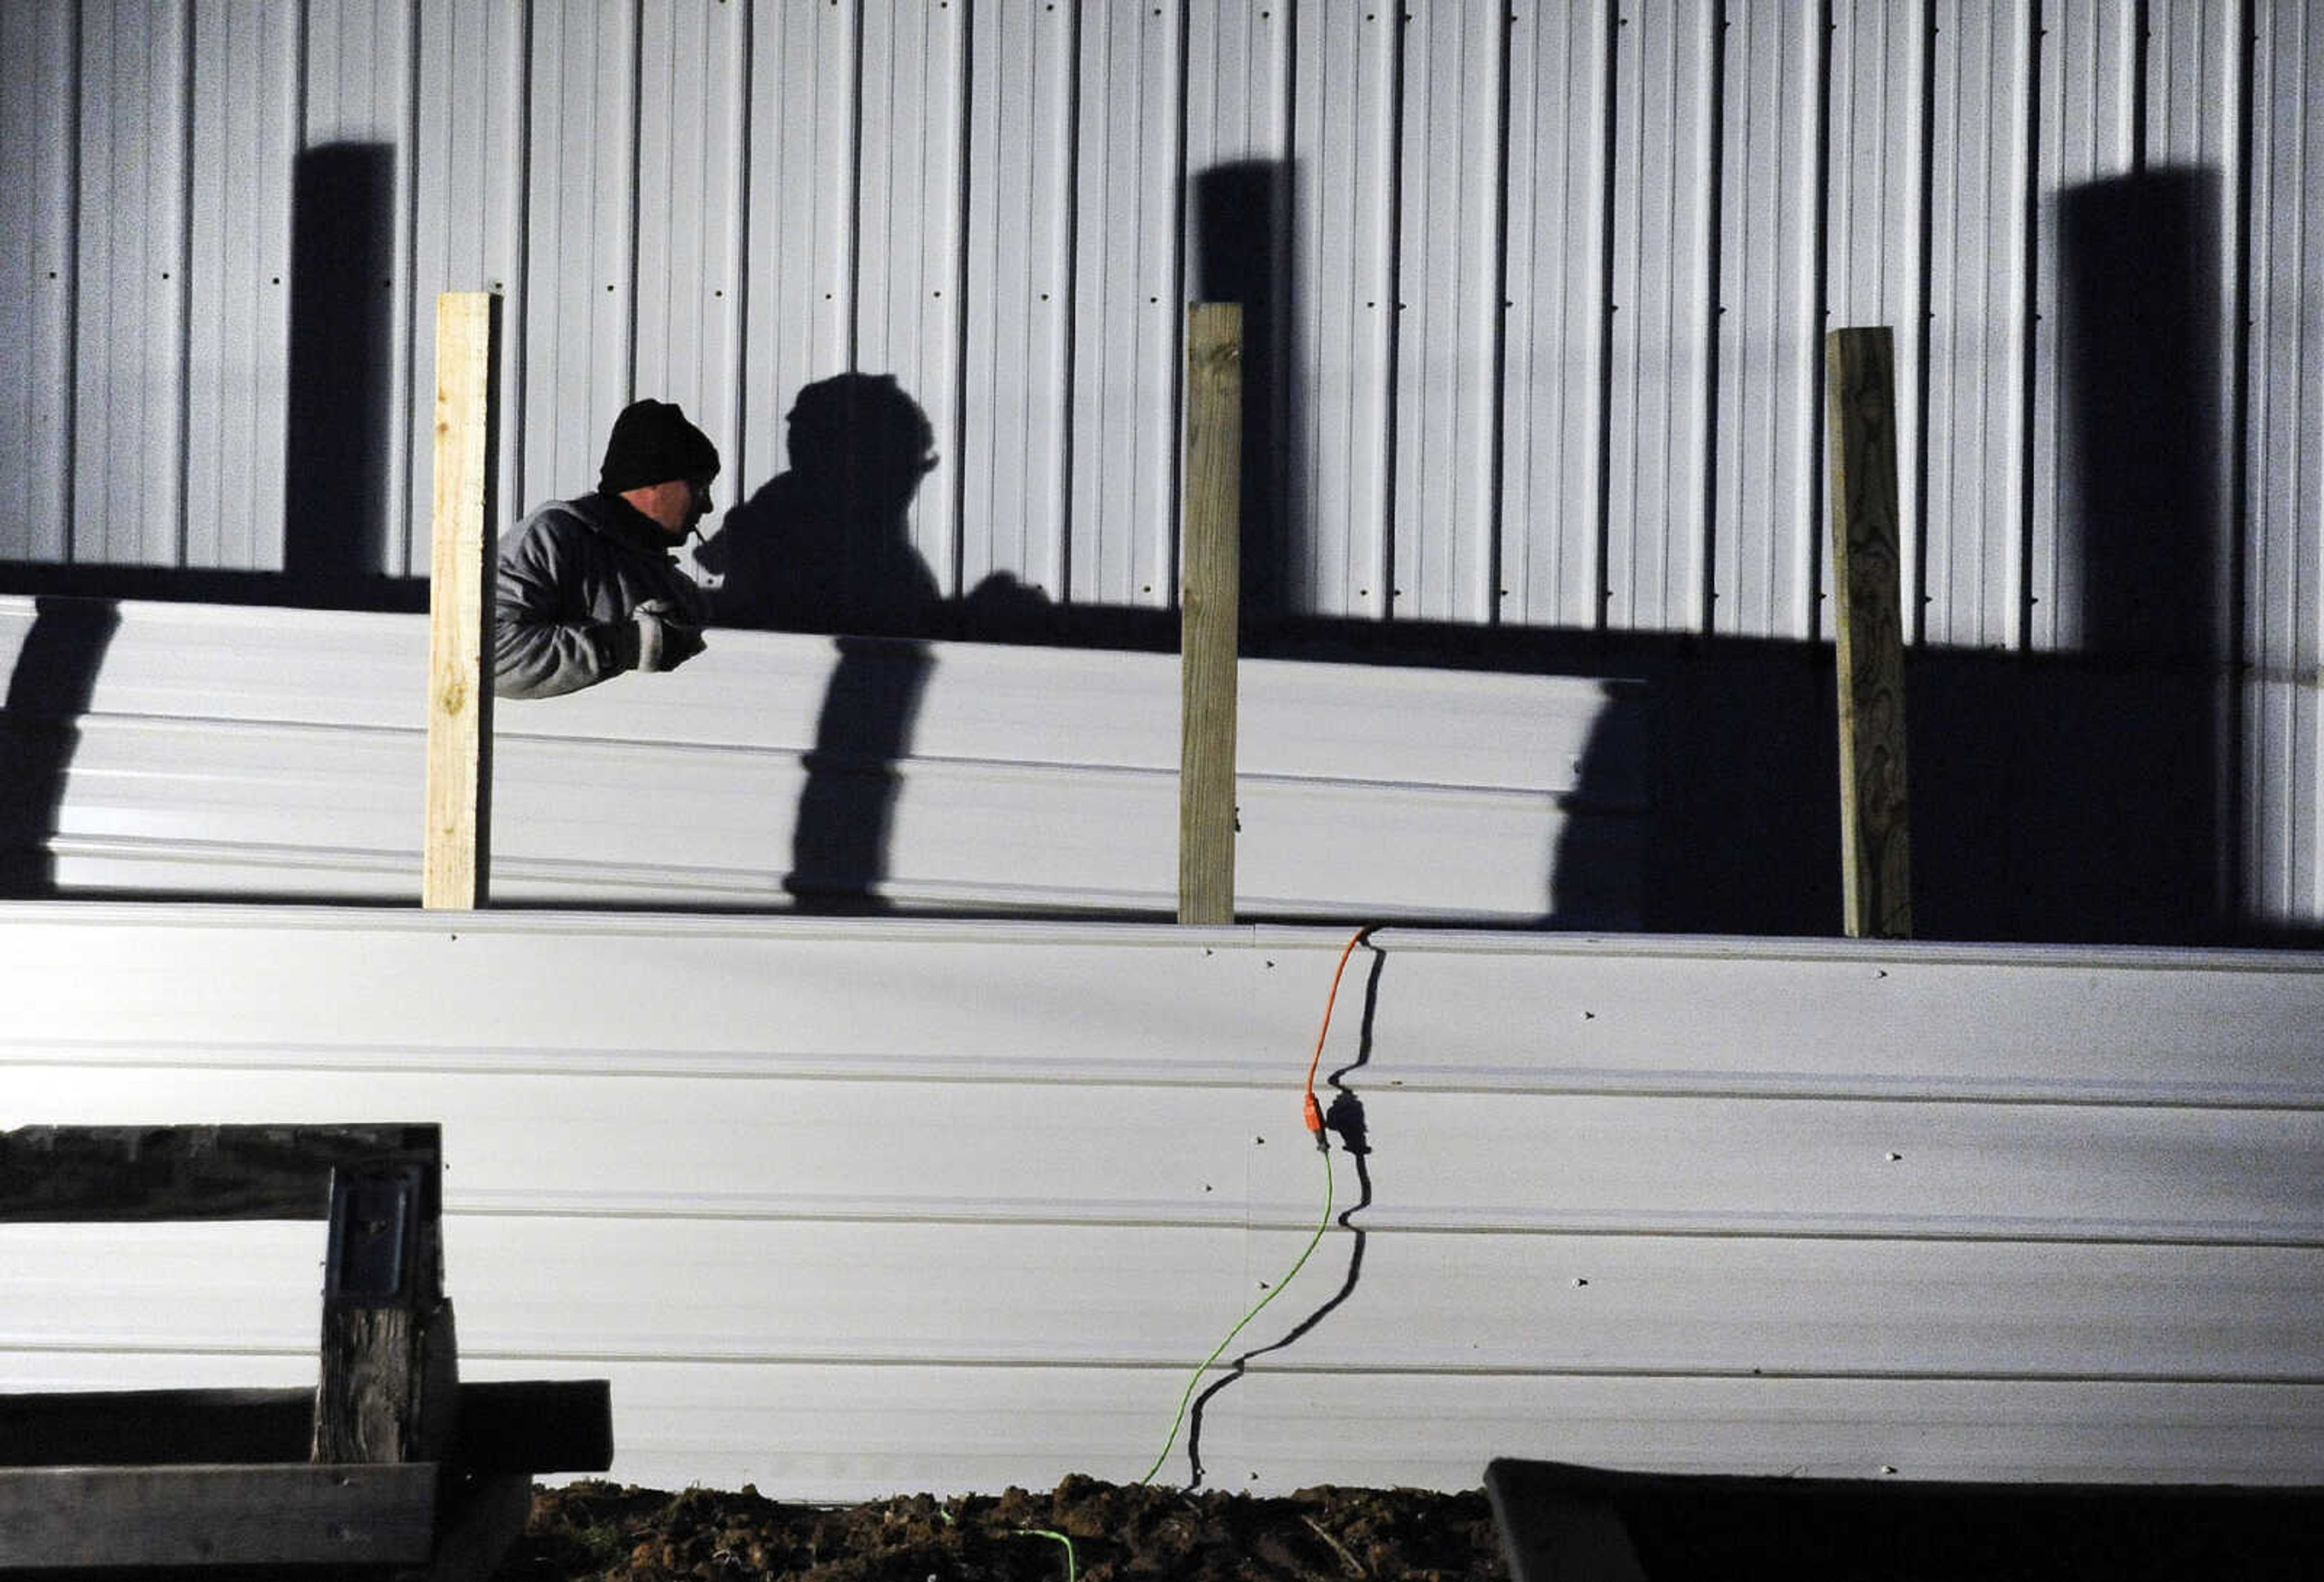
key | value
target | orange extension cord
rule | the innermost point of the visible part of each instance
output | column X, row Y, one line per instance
column 1312, row 1113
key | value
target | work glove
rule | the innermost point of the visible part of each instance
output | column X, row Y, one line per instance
column 665, row 638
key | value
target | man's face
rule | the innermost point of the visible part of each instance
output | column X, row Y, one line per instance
column 674, row 506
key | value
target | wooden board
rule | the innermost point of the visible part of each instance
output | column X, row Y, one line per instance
column 1875, row 850
column 1582, row 1524
column 61, row 1174
column 456, row 861
column 272, row 1515
column 530, row 1425
column 1211, row 613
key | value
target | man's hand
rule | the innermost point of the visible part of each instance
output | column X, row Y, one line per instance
column 666, row 638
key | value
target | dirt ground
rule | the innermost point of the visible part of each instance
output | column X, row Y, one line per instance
column 1083, row 1529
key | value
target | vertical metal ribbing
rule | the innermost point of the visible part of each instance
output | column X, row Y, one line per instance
column 1811, row 616
column 637, row 75
column 2235, row 825
column 513, row 322
column 1706, row 591
column 1916, row 620
column 396, row 540
column 965, row 163
column 1497, row 456
column 1605, row 588
column 2139, row 22
column 2029, row 303
column 854, row 264
column 1384, row 568
column 181, row 436
column 738, row 252
column 69, row 386
column 1067, row 294
column 1177, row 360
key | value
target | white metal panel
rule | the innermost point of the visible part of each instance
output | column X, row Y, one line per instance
column 1875, row 247
column 1017, row 374
column 801, row 164
column 866, row 1292
column 1344, row 141
column 1449, row 218
column 1659, row 508
column 580, row 243
column 1552, row 396
column 2090, row 99
column 1036, row 778
column 2283, row 545
column 467, row 224
column 1765, row 532
column 129, row 338
column 690, row 219
column 1127, row 200
column 40, row 99
column 846, row 1433
column 909, row 244
column 245, row 130
column 959, row 1150
column 892, row 1183
column 1981, row 82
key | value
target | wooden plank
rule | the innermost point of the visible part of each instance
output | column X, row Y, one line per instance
column 272, row 1515
column 1210, row 612
column 1588, row 1526
column 51, row 1174
column 1876, row 854
column 389, row 1371
column 529, row 1425
column 456, row 861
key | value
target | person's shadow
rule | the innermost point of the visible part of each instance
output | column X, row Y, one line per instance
column 825, row 547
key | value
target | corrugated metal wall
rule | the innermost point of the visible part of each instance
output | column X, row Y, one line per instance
column 1537, row 292
column 855, row 1208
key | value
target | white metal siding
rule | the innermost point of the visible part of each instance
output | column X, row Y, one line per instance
column 212, row 759
column 848, row 1208
column 1551, row 288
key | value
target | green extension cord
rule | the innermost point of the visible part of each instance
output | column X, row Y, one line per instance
column 1322, row 1225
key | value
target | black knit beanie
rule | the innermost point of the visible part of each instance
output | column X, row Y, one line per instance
column 652, row 443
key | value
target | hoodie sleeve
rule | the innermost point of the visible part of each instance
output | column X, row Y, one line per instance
column 544, row 643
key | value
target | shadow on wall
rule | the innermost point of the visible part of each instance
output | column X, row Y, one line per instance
column 338, row 421
column 49, row 689
column 336, row 494
column 825, row 546
column 2081, row 797
column 1344, row 1119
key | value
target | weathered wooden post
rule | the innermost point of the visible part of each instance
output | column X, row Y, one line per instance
column 456, row 860
column 1876, row 848
column 1209, row 610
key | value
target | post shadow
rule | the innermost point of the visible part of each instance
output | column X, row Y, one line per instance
column 341, row 372
column 824, row 546
column 1242, row 254
column 48, row 690
column 2078, row 797
column 1344, row 1117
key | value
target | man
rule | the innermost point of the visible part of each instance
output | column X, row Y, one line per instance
column 589, row 588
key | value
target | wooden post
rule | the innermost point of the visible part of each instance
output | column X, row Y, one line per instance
column 456, row 856
column 1210, row 609
column 390, row 1369
column 1876, row 848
